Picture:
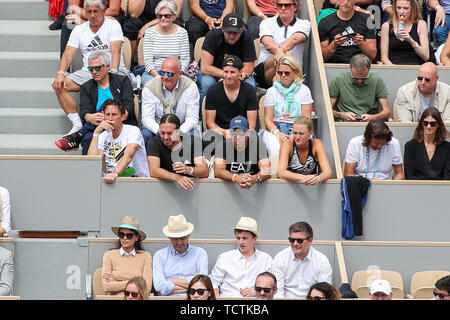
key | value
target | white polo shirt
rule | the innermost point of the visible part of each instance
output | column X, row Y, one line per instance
column 274, row 28
column 295, row 277
column 233, row 271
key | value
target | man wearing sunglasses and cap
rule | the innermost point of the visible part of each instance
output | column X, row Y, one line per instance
column 176, row 265
column 230, row 98
column 231, row 39
column 93, row 93
column 235, row 271
column 170, row 92
column 243, row 158
column 355, row 95
column 426, row 91
column 299, row 266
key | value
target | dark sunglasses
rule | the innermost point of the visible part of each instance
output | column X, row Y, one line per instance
column 96, row 68
column 299, row 240
column 133, row 294
column 125, row 235
column 286, row 5
column 237, row 132
column 315, row 298
column 199, row 291
column 283, row 73
column 441, row 295
column 426, row 79
column 167, row 16
column 431, row 123
column 266, row 290
column 163, row 73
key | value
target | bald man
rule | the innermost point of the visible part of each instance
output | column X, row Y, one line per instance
column 169, row 92
column 426, row 91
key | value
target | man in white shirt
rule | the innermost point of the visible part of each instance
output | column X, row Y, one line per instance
column 235, row 271
column 280, row 35
column 171, row 92
column 374, row 154
column 97, row 34
column 121, row 144
column 299, row 266
column 5, row 211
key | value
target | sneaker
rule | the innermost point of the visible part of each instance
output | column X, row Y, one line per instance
column 57, row 24
column 69, row 143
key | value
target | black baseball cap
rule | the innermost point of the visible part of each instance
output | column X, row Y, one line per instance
column 232, row 22
column 232, row 61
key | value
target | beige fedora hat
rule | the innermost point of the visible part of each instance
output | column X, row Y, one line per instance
column 178, row 227
column 247, row 224
column 130, row 223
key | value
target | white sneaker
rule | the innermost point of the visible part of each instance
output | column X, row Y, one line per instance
column 75, row 128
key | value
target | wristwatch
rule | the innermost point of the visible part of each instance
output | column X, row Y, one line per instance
column 437, row 7
column 259, row 178
column 275, row 131
column 113, row 70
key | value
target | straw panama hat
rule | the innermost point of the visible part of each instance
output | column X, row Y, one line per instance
column 247, row 224
column 130, row 223
column 178, row 227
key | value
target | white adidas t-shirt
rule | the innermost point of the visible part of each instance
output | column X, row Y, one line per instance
column 84, row 39
column 114, row 149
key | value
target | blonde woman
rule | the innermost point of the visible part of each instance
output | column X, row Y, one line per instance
column 302, row 158
column 409, row 45
column 136, row 289
column 285, row 101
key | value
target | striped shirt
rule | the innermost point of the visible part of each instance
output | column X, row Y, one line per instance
column 157, row 47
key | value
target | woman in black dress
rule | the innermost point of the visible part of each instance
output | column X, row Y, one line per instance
column 427, row 154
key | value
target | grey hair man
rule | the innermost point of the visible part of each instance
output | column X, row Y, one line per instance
column 355, row 95
column 97, row 34
column 424, row 92
column 93, row 93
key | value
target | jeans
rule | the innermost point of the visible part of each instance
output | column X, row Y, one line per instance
column 205, row 81
column 146, row 77
column 441, row 33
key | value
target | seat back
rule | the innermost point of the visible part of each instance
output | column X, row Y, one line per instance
column 262, row 125
column 394, row 111
column 257, row 44
column 126, row 52
column 204, row 113
column 362, row 279
column 97, row 285
column 140, row 52
column 424, row 293
column 198, row 48
column 425, row 279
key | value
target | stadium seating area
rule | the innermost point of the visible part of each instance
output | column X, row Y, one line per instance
column 405, row 222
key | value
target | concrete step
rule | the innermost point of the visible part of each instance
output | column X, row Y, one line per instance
column 33, row 120
column 24, row 64
column 28, row 35
column 32, row 144
column 29, row 93
column 24, row 10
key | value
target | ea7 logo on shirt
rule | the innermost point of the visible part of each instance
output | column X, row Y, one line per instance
column 239, row 167
column 96, row 44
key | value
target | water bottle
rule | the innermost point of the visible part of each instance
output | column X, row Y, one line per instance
column 400, row 26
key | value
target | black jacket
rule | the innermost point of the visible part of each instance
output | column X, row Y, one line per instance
column 120, row 87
